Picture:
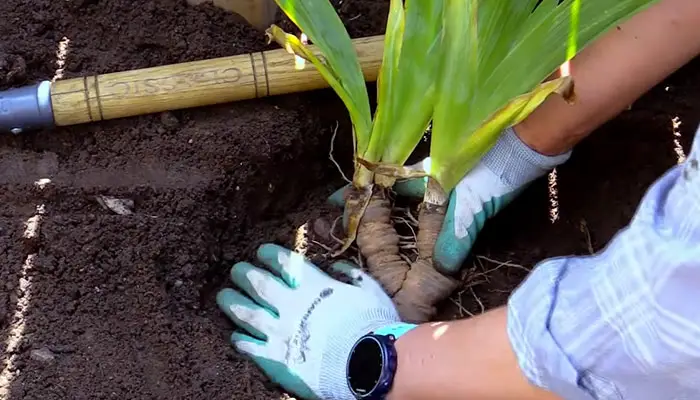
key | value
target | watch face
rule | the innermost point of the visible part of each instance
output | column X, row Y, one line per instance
column 365, row 366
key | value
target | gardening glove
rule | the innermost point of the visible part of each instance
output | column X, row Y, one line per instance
column 299, row 324
column 497, row 179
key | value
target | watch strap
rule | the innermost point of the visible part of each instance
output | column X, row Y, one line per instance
column 395, row 330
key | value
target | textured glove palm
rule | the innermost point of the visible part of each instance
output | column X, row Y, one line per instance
column 299, row 323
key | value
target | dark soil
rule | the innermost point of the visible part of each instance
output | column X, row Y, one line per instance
column 101, row 305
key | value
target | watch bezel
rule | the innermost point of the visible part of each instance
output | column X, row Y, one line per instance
column 388, row 360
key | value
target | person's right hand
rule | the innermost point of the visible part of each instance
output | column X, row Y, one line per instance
column 479, row 196
column 496, row 180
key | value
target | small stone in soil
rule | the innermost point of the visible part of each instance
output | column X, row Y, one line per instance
column 83, row 3
column 43, row 355
column 118, row 206
column 322, row 229
column 169, row 120
column 62, row 348
column 77, row 329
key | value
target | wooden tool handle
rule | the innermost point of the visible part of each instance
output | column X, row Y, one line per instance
column 194, row 84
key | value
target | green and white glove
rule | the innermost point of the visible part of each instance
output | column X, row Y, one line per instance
column 299, row 324
column 508, row 168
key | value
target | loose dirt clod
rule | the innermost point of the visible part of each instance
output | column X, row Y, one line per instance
column 118, row 206
column 13, row 69
column 43, row 355
column 169, row 120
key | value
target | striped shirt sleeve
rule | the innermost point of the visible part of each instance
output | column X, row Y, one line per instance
column 623, row 323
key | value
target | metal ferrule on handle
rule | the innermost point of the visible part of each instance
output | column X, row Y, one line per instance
column 26, row 108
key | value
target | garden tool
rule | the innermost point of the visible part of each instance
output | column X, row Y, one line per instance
column 150, row 90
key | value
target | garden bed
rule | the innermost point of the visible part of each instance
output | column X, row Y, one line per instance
column 100, row 305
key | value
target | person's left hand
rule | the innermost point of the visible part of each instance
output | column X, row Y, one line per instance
column 299, row 323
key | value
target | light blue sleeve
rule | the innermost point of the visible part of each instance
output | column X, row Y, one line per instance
column 624, row 323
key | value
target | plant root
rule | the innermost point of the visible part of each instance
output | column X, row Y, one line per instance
column 424, row 286
column 379, row 243
column 356, row 202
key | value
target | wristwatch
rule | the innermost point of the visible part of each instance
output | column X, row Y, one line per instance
column 372, row 363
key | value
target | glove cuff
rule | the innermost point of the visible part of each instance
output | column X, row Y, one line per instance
column 333, row 382
column 516, row 164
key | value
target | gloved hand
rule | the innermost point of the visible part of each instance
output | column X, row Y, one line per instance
column 497, row 179
column 300, row 324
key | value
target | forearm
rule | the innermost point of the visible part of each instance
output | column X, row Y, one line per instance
column 595, row 331
column 614, row 71
column 469, row 359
